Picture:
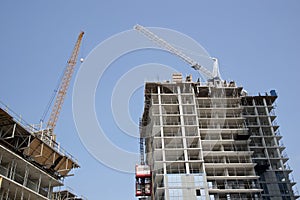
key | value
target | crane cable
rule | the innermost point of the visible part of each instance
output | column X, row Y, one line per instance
column 54, row 93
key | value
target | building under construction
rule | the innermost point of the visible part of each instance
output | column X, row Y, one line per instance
column 31, row 165
column 213, row 141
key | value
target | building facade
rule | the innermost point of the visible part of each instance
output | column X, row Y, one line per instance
column 212, row 141
column 268, row 150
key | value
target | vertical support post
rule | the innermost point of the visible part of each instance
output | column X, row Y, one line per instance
column 7, row 194
column 39, row 184
column 51, row 140
column 49, row 189
column 14, row 130
column 10, row 169
column 16, row 194
column 26, row 175
column 41, row 125
column 67, row 161
column 14, row 170
column 22, row 194
column 29, row 140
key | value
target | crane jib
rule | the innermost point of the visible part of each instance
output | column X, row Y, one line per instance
column 168, row 47
column 63, row 87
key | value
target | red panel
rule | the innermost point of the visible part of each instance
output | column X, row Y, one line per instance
column 143, row 175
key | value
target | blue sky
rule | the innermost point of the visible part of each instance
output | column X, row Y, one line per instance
column 257, row 44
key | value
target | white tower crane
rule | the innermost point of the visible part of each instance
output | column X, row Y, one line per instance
column 168, row 47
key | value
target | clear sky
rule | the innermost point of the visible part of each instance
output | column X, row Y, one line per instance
column 257, row 44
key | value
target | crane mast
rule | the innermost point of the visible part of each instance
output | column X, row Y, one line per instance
column 165, row 45
column 61, row 94
column 142, row 151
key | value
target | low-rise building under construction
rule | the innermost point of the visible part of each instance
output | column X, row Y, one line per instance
column 31, row 164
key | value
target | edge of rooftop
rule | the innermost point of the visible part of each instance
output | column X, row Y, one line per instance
column 32, row 130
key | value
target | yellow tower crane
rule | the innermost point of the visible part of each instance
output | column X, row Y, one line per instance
column 63, row 87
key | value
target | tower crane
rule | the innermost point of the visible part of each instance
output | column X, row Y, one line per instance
column 168, row 47
column 63, row 87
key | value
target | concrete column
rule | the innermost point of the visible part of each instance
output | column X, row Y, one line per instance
column 161, row 129
column 187, row 168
